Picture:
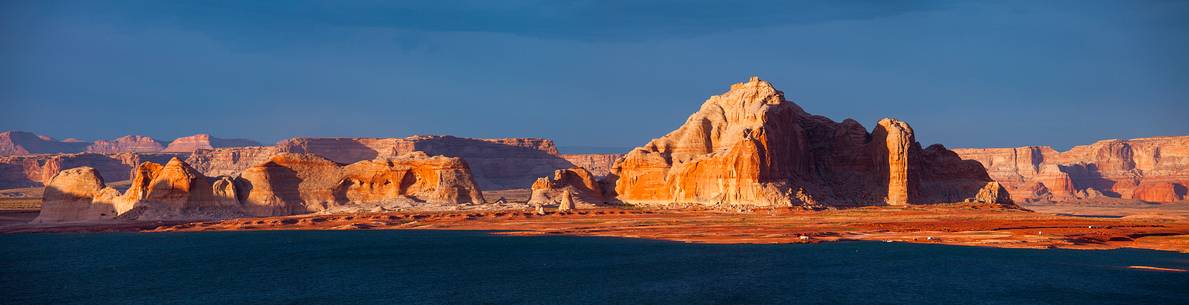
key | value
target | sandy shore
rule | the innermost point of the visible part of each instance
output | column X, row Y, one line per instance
column 948, row 224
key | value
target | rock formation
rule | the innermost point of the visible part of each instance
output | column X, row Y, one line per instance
column 286, row 184
column 135, row 144
column 415, row 175
column 71, row 195
column 567, row 202
column 598, row 164
column 302, row 183
column 751, row 147
column 576, row 180
column 36, row 170
column 204, row 141
column 229, row 161
column 177, row 191
column 496, row 163
column 1145, row 169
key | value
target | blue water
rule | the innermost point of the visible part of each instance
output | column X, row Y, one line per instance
column 353, row 267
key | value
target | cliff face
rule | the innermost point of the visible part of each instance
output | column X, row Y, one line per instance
column 598, row 164
column 204, row 141
column 229, row 161
column 1146, row 169
column 286, row 184
column 751, row 147
column 135, row 144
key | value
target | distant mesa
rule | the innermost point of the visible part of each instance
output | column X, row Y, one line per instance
column 133, row 143
column 204, row 141
column 1145, row 169
column 18, row 143
column 25, row 143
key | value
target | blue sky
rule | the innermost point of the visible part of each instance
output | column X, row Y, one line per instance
column 591, row 73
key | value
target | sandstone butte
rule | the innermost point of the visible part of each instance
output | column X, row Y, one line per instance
column 1146, row 169
column 286, row 184
column 750, row 147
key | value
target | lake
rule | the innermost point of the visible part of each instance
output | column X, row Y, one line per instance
column 385, row 267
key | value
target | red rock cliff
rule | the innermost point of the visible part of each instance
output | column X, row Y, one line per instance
column 1147, row 169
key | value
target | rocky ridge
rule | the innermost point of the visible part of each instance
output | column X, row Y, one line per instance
column 1145, row 169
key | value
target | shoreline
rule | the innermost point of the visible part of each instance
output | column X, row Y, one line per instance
column 951, row 225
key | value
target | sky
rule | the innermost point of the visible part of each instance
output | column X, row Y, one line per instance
column 592, row 75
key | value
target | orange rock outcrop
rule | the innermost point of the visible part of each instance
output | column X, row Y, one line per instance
column 303, row 183
column 1146, row 169
column 286, row 184
column 752, row 147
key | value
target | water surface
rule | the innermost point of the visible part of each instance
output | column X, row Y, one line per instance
column 354, row 267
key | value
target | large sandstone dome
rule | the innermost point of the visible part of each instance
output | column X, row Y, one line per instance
column 752, row 147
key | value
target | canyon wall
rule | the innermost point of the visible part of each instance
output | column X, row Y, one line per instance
column 1146, row 169
column 751, row 147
